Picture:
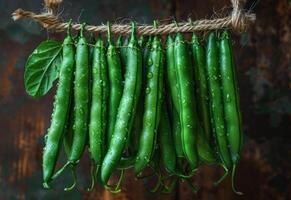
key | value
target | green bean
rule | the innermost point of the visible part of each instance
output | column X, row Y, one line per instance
column 174, row 94
column 137, row 120
column 60, row 112
column 216, row 104
column 201, row 85
column 230, row 100
column 81, row 97
column 237, row 96
column 98, row 113
column 116, row 85
column 68, row 134
column 187, row 105
column 152, row 106
column 92, row 42
column 126, row 109
column 205, row 151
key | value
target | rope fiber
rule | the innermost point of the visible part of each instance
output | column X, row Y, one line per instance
column 238, row 20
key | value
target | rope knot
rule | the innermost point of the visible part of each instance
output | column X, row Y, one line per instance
column 238, row 17
column 52, row 5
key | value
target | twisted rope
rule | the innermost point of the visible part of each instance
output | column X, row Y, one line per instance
column 238, row 20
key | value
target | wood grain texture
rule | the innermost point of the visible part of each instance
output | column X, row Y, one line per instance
column 263, row 62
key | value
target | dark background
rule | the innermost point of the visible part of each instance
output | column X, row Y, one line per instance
column 263, row 62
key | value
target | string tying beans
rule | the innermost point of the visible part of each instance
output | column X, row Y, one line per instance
column 238, row 20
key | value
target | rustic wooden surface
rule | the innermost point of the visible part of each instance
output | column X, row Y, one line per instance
column 263, row 59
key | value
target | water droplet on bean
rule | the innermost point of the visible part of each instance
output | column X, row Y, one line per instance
column 150, row 61
column 150, row 75
column 148, row 90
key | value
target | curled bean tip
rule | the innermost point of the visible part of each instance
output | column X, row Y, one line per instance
column 46, row 185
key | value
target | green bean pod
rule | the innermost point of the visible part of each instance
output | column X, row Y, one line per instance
column 206, row 153
column 152, row 107
column 137, row 120
column 98, row 117
column 174, row 94
column 126, row 109
column 237, row 96
column 68, row 133
column 230, row 97
column 231, row 100
column 81, row 107
column 187, row 105
column 215, row 101
column 116, row 86
column 60, row 112
column 81, row 97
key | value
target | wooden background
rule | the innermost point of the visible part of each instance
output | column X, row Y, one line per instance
column 263, row 60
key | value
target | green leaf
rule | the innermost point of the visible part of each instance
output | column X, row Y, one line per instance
column 42, row 68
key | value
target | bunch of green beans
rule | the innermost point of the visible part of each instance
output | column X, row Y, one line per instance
column 139, row 105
